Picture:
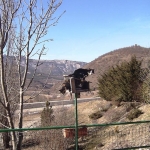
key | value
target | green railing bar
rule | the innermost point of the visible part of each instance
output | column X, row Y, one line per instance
column 132, row 148
column 73, row 126
column 41, row 128
column 117, row 123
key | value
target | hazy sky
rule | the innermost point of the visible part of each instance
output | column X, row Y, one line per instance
column 91, row 28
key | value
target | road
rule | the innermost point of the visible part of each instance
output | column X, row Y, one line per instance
column 57, row 103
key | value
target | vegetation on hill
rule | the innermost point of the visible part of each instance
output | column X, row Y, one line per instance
column 123, row 82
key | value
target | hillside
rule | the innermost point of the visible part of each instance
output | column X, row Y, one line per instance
column 102, row 63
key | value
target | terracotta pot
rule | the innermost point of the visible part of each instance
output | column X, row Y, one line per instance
column 70, row 132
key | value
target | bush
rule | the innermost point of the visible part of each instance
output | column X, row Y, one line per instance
column 30, row 142
column 95, row 115
column 134, row 113
column 105, row 107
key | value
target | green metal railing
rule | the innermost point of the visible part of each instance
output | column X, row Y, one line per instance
column 63, row 127
column 131, row 135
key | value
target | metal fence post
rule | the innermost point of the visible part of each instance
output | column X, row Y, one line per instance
column 73, row 90
column 76, row 122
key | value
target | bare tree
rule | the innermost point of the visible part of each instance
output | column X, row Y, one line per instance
column 23, row 25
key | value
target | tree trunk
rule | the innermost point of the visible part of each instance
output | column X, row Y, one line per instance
column 5, row 135
column 6, row 103
column 20, row 120
column 13, row 135
column 11, row 125
column 6, row 139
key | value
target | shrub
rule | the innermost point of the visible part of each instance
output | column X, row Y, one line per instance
column 134, row 113
column 47, row 115
column 95, row 115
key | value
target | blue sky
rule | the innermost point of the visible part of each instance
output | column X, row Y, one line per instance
column 90, row 29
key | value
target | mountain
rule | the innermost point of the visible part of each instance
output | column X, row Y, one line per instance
column 55, row 69
column 100, row 65
column 104, row 62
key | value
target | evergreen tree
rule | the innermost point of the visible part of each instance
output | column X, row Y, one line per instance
column 47, row 115
column 123, row 82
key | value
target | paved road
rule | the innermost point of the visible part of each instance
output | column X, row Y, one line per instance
column 57, row 103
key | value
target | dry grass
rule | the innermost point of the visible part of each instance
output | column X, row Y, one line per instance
column 85, row 109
